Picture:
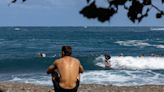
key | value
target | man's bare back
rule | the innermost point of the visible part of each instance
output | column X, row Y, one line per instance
column 69, row 69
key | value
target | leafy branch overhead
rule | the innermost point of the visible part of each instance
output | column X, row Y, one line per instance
column 136, row 9
column 16, row 1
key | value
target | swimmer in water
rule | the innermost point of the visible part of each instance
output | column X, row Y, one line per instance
column 107, row 61
column 43, row 55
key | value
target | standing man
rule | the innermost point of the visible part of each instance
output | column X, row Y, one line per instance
column 66, row 72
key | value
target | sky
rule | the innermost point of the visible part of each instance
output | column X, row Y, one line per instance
column 64, row 13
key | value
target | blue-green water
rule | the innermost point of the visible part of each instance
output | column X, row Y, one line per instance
column 19, row 47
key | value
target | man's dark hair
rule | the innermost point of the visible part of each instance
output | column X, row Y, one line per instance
column 67, row 50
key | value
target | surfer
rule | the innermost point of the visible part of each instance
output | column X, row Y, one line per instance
column 107, row 61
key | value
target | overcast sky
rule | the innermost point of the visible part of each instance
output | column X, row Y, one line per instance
column 63, row 13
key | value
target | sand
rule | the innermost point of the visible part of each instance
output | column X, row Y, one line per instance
column 24, row 87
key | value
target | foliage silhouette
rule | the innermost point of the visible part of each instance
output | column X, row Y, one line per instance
column 136, row 10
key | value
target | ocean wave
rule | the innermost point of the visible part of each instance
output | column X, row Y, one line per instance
column 159, row 46
column 140, row 43
column 105, row 77
column 33, row 78
column 33, row 81
column 122, row 77
column 133, row 63
column 137, row 43
column 156, row 29
column 17, row 29
column 7, row 43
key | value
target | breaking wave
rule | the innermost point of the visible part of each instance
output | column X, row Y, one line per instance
column 133, row 63
column 137, row 43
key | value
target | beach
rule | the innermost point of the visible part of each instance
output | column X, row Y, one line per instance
column 25, row 87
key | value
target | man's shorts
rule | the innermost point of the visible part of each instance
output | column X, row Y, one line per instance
column 60, row 89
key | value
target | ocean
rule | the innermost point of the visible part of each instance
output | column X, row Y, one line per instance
column 141, row 49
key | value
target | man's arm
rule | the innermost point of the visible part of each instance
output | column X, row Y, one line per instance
column 51, row 68
column 81, row 69
column 109, row 62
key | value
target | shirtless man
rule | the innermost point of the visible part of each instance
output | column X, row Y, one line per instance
column 69, row 69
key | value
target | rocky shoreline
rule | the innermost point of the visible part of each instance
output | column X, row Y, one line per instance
column 24, row 87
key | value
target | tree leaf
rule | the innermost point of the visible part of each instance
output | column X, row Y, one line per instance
column 158, row 15
column 146, row 15
column 88, row 1
column 125, row 7
column 147, row 2
column 148, row 9
column 23, row 0
column 90, row 11
column 105, row 14
column 13, row 1
column 118, row 2
column 140, row 18
column 134, row 10
column 162, row 1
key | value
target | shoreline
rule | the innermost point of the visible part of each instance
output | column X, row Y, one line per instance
column 26, row 87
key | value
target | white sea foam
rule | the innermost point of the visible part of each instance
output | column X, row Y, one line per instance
column 159, row 46
column 32, row 78
column 33, row 81
column 157, row 29
column 121, row 77
column 138, row 43
column 102, row 77
column 17, row 29
column 129, row 62
column 105, row 77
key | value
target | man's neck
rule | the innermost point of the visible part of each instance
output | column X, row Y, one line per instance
column 65, row 56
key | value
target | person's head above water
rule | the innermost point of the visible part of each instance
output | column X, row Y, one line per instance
column 66, row 51
column 107, row 56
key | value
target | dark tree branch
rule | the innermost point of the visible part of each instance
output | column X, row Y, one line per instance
column 156, row 8
column 14, row 1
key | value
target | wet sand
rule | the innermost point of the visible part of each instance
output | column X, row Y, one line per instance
column 23, row 87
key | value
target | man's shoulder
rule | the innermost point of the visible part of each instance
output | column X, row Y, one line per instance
column 57, row 60
column 75, row 59
column 63, row 59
